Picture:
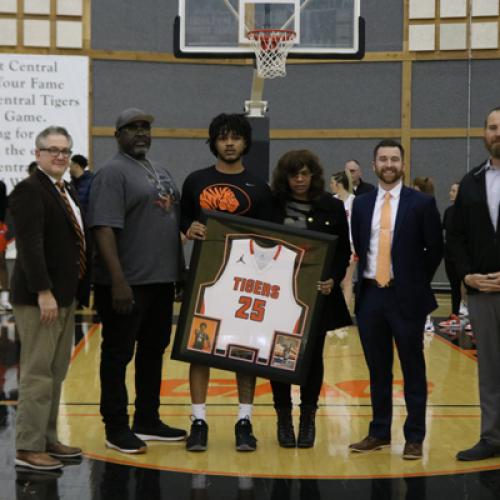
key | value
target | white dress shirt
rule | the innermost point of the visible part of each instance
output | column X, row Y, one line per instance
column 73, row 205
column 371, row 258
column 493, row 191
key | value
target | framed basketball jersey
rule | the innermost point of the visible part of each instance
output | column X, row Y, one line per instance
column 251, row 302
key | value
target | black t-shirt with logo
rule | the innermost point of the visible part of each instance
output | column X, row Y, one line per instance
column 236, row 194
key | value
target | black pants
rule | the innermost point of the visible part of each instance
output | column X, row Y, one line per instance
column 148, row 326
column 309, row 393
column 455, row 285
column 381, row 324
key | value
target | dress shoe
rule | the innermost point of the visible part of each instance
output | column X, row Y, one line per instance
column 59, row 450
column 370, row 443
column 38, row 460
column 480, row 451
column 412, row 451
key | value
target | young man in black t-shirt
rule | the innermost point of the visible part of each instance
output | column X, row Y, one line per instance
column 226, row 187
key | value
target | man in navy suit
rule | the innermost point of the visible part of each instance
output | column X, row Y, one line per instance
column 397, row 235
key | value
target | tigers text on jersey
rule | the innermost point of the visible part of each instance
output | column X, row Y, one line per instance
column 253, row 296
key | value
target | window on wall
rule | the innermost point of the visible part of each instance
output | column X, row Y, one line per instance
column 453, row 25
column 55, row 24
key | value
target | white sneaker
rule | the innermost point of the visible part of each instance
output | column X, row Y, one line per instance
column 463, row 311
column 429, row 326
column 7, row 305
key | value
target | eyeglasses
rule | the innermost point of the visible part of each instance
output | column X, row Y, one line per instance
column 55, row 152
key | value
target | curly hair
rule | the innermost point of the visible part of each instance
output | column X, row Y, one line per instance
column 223, row 124
column 289, row 165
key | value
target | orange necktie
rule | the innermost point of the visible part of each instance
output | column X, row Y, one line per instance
column 383, row 272
column 76, row 227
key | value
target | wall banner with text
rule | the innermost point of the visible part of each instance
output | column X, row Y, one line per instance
column 37, row 91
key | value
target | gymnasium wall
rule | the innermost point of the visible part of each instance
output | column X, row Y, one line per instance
column 430, row 91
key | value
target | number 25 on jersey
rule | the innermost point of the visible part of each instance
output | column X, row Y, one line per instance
column 252, row 309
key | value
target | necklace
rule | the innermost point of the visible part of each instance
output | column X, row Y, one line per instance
column 151, row 172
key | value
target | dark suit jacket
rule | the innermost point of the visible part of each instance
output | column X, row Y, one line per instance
column 474, row 243
column 363, row 188
column 47, row 244
column 417, row 248
column 328, row 216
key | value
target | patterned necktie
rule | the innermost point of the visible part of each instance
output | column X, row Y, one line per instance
column 76, row 227
column 383, row 272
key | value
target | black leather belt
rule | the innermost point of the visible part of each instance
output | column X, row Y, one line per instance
column 369, row 281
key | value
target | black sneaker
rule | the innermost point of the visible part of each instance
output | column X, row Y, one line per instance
column 158, row 432
column 245, row 440
column 126, row 441
column 198, row 437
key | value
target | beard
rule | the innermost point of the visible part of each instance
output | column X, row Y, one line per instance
column 389, row 175
column 493, row 148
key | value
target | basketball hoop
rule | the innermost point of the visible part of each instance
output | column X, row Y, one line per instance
column 271, row 49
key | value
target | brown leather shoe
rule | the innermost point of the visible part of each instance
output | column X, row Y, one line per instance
column 412, row 451
column 368, row 444
column 60, row 450
column 38, row 460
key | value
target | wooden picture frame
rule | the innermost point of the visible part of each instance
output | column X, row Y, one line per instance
column 251, row 302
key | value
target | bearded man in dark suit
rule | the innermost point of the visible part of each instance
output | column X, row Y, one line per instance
column 397, row 235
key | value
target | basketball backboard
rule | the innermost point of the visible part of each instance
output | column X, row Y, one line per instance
column 326, row 29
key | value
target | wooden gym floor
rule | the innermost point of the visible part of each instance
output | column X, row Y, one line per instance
column 326, row 471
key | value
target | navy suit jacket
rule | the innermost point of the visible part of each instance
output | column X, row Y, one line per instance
column 417, row 248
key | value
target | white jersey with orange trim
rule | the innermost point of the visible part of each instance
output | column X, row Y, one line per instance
column 254, row 297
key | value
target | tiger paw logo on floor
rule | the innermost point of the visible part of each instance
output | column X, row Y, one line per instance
column 219, row 198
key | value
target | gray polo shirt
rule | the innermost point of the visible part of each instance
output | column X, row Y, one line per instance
column 125, row 197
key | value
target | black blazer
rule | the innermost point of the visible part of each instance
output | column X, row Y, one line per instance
column 363, row 188
column 328, row 216
column 416, row 251
column 47, row 244
column 473, row 242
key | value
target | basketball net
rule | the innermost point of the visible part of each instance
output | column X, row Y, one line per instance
column 271, row 50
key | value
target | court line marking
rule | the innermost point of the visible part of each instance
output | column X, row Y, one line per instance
column 273, row 415
column 84, row 341
column 466, row 352
column 446, row 472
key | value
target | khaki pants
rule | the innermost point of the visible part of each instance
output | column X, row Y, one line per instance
column 45, row 355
